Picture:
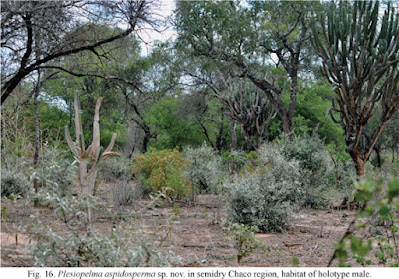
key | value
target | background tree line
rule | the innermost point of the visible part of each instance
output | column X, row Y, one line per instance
column 238, row 74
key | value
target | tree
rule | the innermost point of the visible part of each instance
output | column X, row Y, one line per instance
column 62, row 32
column 212, row 117
column 144, row 82
column 174, row 128
column 313, row 102
column 248, row 107
column 360, row 55
column 263, row 42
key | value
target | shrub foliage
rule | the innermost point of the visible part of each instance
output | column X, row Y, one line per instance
column 162, row 171
column 267, row 196
column 205, row 170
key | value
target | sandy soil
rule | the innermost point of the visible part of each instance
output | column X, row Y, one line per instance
column 197, row 236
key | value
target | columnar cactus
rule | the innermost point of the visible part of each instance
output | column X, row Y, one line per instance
column 250, row 108
column 94, row 152
column 359, row 49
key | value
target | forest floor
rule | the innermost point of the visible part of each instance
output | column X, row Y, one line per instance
column 196, row 234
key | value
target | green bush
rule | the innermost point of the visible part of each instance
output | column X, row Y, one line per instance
column 268, row 196
column 205, row 169
column 13, row 183
column 380, row 200
column 162, row 171
column 234, row 160
column 244, row 238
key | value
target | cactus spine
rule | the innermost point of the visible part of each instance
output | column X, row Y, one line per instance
column 94, row 152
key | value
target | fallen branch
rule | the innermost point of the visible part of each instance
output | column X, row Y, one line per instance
column 207, row 246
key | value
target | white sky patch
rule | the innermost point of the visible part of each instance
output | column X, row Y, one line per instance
column 149, row 36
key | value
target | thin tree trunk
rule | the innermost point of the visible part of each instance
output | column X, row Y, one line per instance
column 146, row 140
column 37, row 137
column 377, row 152
column 233, row 142
column 288, row 128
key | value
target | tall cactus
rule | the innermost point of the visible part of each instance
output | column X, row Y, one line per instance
column 360, row 54
column 251, row 109
column 94, row 152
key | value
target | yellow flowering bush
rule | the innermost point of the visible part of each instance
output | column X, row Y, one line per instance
column 162, row 171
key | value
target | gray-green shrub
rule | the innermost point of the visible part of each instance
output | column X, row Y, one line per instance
column 115, row 168
column 268, row 196
column 205, row 169
column 55, row 169
column 124, row 193
column 318, row 173
column 312, row 156
column 76, row 245
column 13, row 183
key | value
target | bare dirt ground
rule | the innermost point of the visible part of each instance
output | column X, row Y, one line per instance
column 197, row 236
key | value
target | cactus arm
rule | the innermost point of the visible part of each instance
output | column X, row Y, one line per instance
column 111, row 144
column 88, row 153
column 95, row 145
column 78, row 122
column 102, row 157
column 81, row 144
column 96, row 124
column 112, row 153
column 70, row 143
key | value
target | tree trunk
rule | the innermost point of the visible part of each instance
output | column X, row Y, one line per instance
column 360, row 170
column 37, row 137
column 359, row 164
column 377, row 152
column 233, row 142
column 288, row 127
column 91, row 105
column 146, row 140
column 233, row 135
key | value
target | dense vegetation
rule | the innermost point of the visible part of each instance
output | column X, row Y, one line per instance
column 271, row 106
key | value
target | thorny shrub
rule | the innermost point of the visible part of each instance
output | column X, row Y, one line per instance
column 14, row 184
column 78, row 245
column 55, row 169
column 124, row 193
column 267, row 196
column 315, row 166
column 323, row 167
column 205, row 170
column 233, row 161
column 115, row 168
column 244, row 238
column 162, row 171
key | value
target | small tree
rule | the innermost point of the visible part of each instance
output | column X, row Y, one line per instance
column 94, row 152
column 360, row 54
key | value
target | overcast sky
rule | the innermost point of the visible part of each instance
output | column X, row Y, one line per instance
column 149, row 36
